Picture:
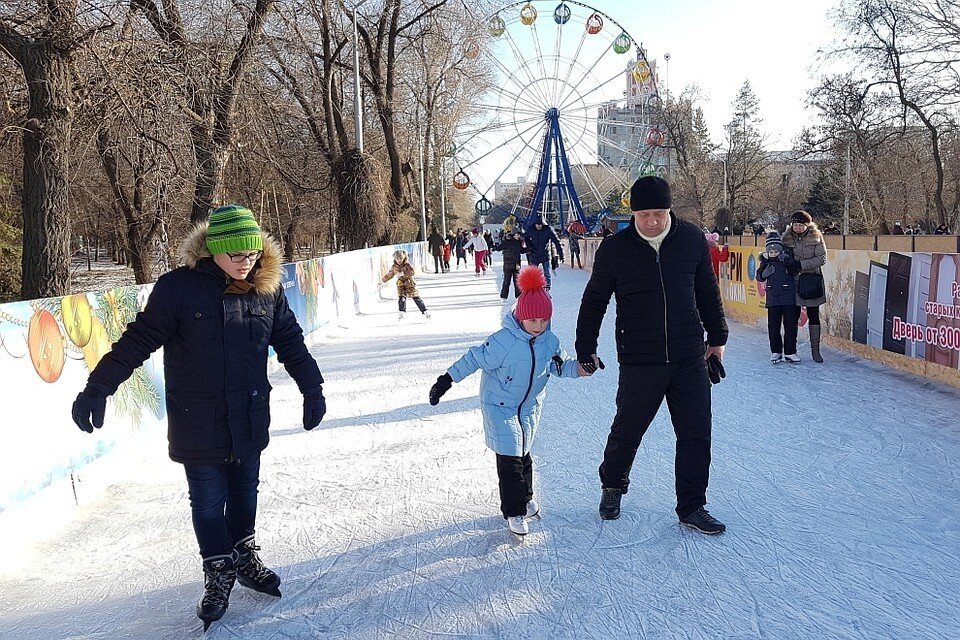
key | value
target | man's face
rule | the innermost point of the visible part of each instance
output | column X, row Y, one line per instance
column 651, row 222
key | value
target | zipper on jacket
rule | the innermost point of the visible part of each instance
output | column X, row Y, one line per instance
column 663, row 288
column 533, row 366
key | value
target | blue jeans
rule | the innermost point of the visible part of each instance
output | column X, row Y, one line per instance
column 223, row 503
column 545, row 266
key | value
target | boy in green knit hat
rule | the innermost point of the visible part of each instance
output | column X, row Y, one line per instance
column 216, row 319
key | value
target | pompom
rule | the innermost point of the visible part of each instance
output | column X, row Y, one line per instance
column 531, row 278
column 713, row 237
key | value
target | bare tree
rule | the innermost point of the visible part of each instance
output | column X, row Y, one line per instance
column 42, row 38
column 210, row 88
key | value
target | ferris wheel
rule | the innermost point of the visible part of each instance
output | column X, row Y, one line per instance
column 572, row 118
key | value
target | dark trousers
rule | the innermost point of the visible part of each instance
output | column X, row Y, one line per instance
column 509, row 274
column 223, row 503
column 575, row 256
column 787, row 318
column 402, row 303
column 437, row 262
column 545, row 266
column 461, row 256
column 516, row 484
column 642, row 389
column 813, row 316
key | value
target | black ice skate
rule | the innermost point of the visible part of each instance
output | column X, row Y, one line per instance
column 219, row 575
column 702, row 521
column 251, row 571
column 610, row 504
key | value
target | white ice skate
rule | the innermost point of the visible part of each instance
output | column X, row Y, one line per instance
column 533, row 509
column 400, row 317
column 792, row 358
column 518, row 525
column 776, row 358
column 426, row 314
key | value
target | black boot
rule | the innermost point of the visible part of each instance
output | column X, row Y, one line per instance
column 219, row 574
column 702, row 521
column 610, row 504
column 252, row 573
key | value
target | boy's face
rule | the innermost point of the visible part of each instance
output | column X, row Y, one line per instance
column 773, row 253
column 239, row 270
column 535, row 326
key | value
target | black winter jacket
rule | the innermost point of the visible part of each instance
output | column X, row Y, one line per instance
column 664, row 300
column 215, row 349
column 537, row 242
column 512, row 249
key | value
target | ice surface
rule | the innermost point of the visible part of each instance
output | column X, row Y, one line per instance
column 838, row 484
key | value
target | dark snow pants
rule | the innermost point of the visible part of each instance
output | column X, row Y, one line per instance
column 402, row 304
column 787, row 317
column 642, row 389
column 510, row 275
column 223, row 503
column 516, row 484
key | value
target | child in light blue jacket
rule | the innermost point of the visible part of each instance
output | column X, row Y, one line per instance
column 517, row 361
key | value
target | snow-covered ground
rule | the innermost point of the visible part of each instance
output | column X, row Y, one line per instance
column 838, row 484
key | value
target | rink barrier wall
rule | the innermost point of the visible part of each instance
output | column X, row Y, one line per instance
column 49, row 346
column 887, row 304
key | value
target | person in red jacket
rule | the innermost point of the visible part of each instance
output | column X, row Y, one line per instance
column 718, row 254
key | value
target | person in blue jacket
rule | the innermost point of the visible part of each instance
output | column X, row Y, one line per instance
column 537, row 239
column 216, row 319
column 777, row 269
column 517, row 361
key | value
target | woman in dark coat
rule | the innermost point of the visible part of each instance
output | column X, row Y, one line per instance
column 216, row 319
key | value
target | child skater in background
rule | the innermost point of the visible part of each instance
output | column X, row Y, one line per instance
column 718, row 254
column 517, row 362
column 777, row 269
column 406, row 286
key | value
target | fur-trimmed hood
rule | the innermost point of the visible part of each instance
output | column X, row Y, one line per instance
column 813, row 235
column 265, row 275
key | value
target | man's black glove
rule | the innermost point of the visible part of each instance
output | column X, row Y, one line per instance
column 589, row 365
column 715, row 369
column 90, row 403
column 440, row 387
column 314, row 407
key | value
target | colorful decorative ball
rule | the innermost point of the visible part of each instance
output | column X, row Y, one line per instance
column 98, row 346
column 46, row 345
column 77, row 318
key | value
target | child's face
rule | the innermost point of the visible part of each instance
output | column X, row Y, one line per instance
column 773, row 253
column 535, row 326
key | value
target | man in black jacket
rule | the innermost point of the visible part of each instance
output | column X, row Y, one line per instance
column 537, row 240
column 660, row 271
column 216, row 319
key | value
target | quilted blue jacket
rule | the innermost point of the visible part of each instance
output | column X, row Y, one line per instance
column 516, row 367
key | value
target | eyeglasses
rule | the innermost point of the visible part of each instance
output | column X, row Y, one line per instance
column 240, row 258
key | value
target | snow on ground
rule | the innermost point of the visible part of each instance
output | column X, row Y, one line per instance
column 838, row 484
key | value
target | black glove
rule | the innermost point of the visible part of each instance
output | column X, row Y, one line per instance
column 715, row 369
column 793, row 267
column 588, row 365
column 314, row 407
column 440, row 387
column 558, row 363
column 90, row 403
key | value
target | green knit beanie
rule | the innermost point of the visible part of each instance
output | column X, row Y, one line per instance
column 233, row 229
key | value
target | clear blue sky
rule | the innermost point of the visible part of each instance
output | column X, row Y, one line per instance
column 718, row 45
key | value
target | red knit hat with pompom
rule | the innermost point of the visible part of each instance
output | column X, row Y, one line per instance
column 534, row 301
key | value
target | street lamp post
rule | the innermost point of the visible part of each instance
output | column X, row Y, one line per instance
column 423, row 194
column 357, row 92
column 846, row 195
